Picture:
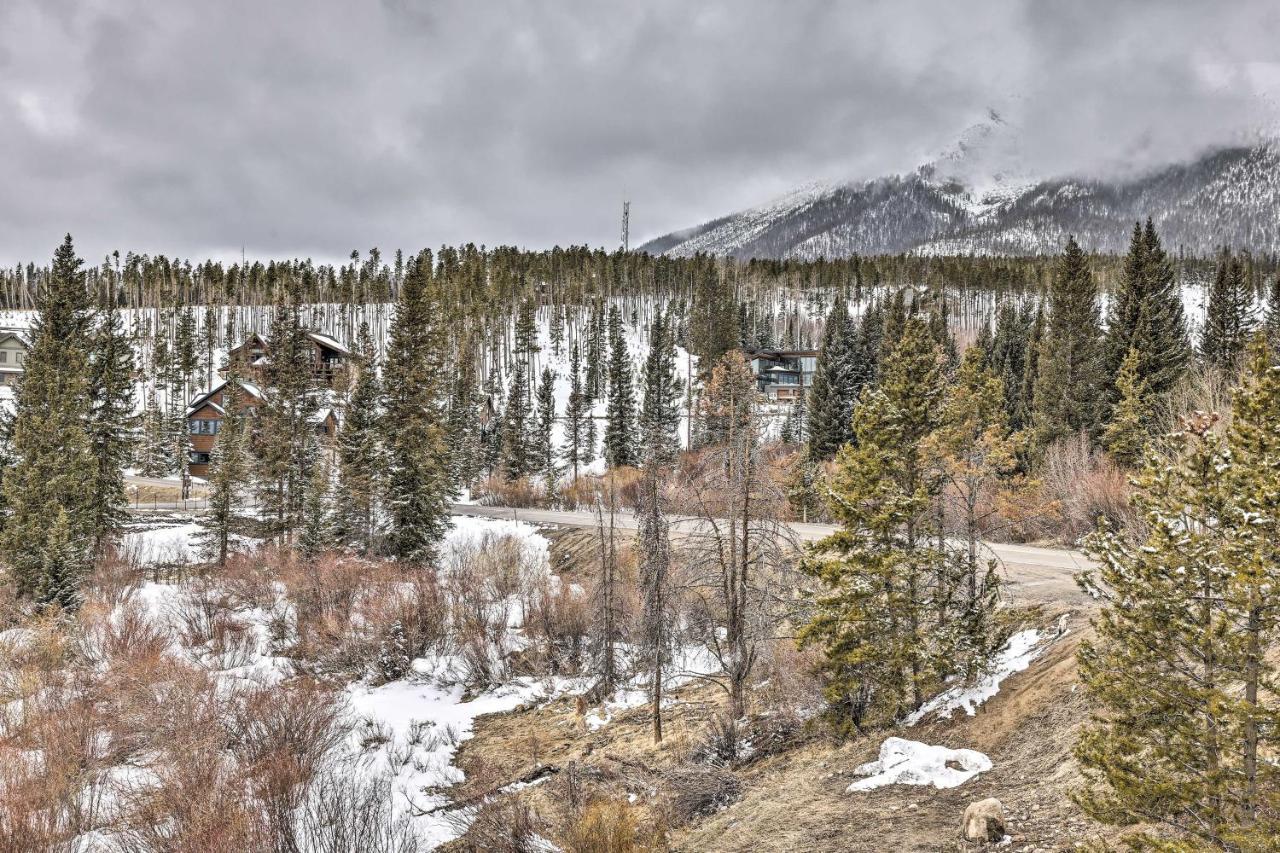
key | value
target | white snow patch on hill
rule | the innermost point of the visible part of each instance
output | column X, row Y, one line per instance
column 910, row 762
column 1022, row 648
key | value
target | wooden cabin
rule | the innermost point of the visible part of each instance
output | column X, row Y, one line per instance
column 206, row 412
column 204, row 420
column 328, row 358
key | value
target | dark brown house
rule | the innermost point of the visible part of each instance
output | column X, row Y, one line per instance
column 328, row 358
column 206, row 412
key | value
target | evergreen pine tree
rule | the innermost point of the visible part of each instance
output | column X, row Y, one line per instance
column 49, row 532
column 620, row 433
column 317, row 520
column 1008, row 355
column 1030, row 371
column 660, row 412
column 1228, row 317
column 1069, row 382
column 882, row 654
column 228, row 471
column 361, row 462
column 415, row 421
column 464, row 419
column 577, row 416
column 1126, row 434
column 1186, row 694
column 153, row 452
column 62, row 563
column 527, row 329
column 972, row 452
column 1272, row 322
column 547, row 465
column 837, row 380
column 111, row 421
column 282, row 441
column 1146, row 315
column 518, row 454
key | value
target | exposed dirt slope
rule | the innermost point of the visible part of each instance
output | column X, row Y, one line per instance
column 795, row 799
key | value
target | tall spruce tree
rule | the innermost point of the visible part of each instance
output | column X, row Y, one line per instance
column 282, row 440
column 660, row 411
column 111, row 419
column 1129, row 429
column 545, row 461
column 838, row 378
column 518, row 453
column 1069, row 383
column 1229, row 318
column 229, row 473
column 620, row 433
column 361, row 460
column 1146, row 315
column 883, row 654
column 317, row 517
column 419, row 485
column 464, row 418
column 1007, row 355
column 48, row 536
column 1272, row 321
column 577, row 417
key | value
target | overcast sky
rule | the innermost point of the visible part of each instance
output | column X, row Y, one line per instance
column 314, row 127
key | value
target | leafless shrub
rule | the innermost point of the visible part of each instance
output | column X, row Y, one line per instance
column 722, row 743
column 283, row 736
column 496, row 490
column 500, row 824
column 1079, row 486
column 695, row 791
column 556, row 623
column 345, row 811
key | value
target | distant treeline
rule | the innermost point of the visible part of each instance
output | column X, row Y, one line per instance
column 474, row 277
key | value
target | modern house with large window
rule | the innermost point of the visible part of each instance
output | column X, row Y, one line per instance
column 783, row 376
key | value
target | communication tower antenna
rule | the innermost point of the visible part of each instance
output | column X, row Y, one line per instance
column 626, row 226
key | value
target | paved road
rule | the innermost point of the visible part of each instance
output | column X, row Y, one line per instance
column 1033, row 574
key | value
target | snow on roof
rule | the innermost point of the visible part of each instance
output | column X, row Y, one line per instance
column 328, row 342
column 200, row 400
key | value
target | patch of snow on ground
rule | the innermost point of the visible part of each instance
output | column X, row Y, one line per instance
column 1022, row 648
column 910, row 762
column 411, row 729
column 688, row 663
column 423, row 725
column 164, row 544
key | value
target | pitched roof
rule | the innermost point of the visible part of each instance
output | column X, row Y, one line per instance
column 199, row 401
column 328, row 342
column 17, row 335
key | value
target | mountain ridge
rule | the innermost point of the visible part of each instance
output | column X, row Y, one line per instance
column 1227, row 196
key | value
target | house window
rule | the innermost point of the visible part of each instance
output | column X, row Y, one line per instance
column 201, row 426
column 4, row 356
column 198, row 457
column 18, row 357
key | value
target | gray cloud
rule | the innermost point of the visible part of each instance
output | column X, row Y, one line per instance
column 311, row 128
